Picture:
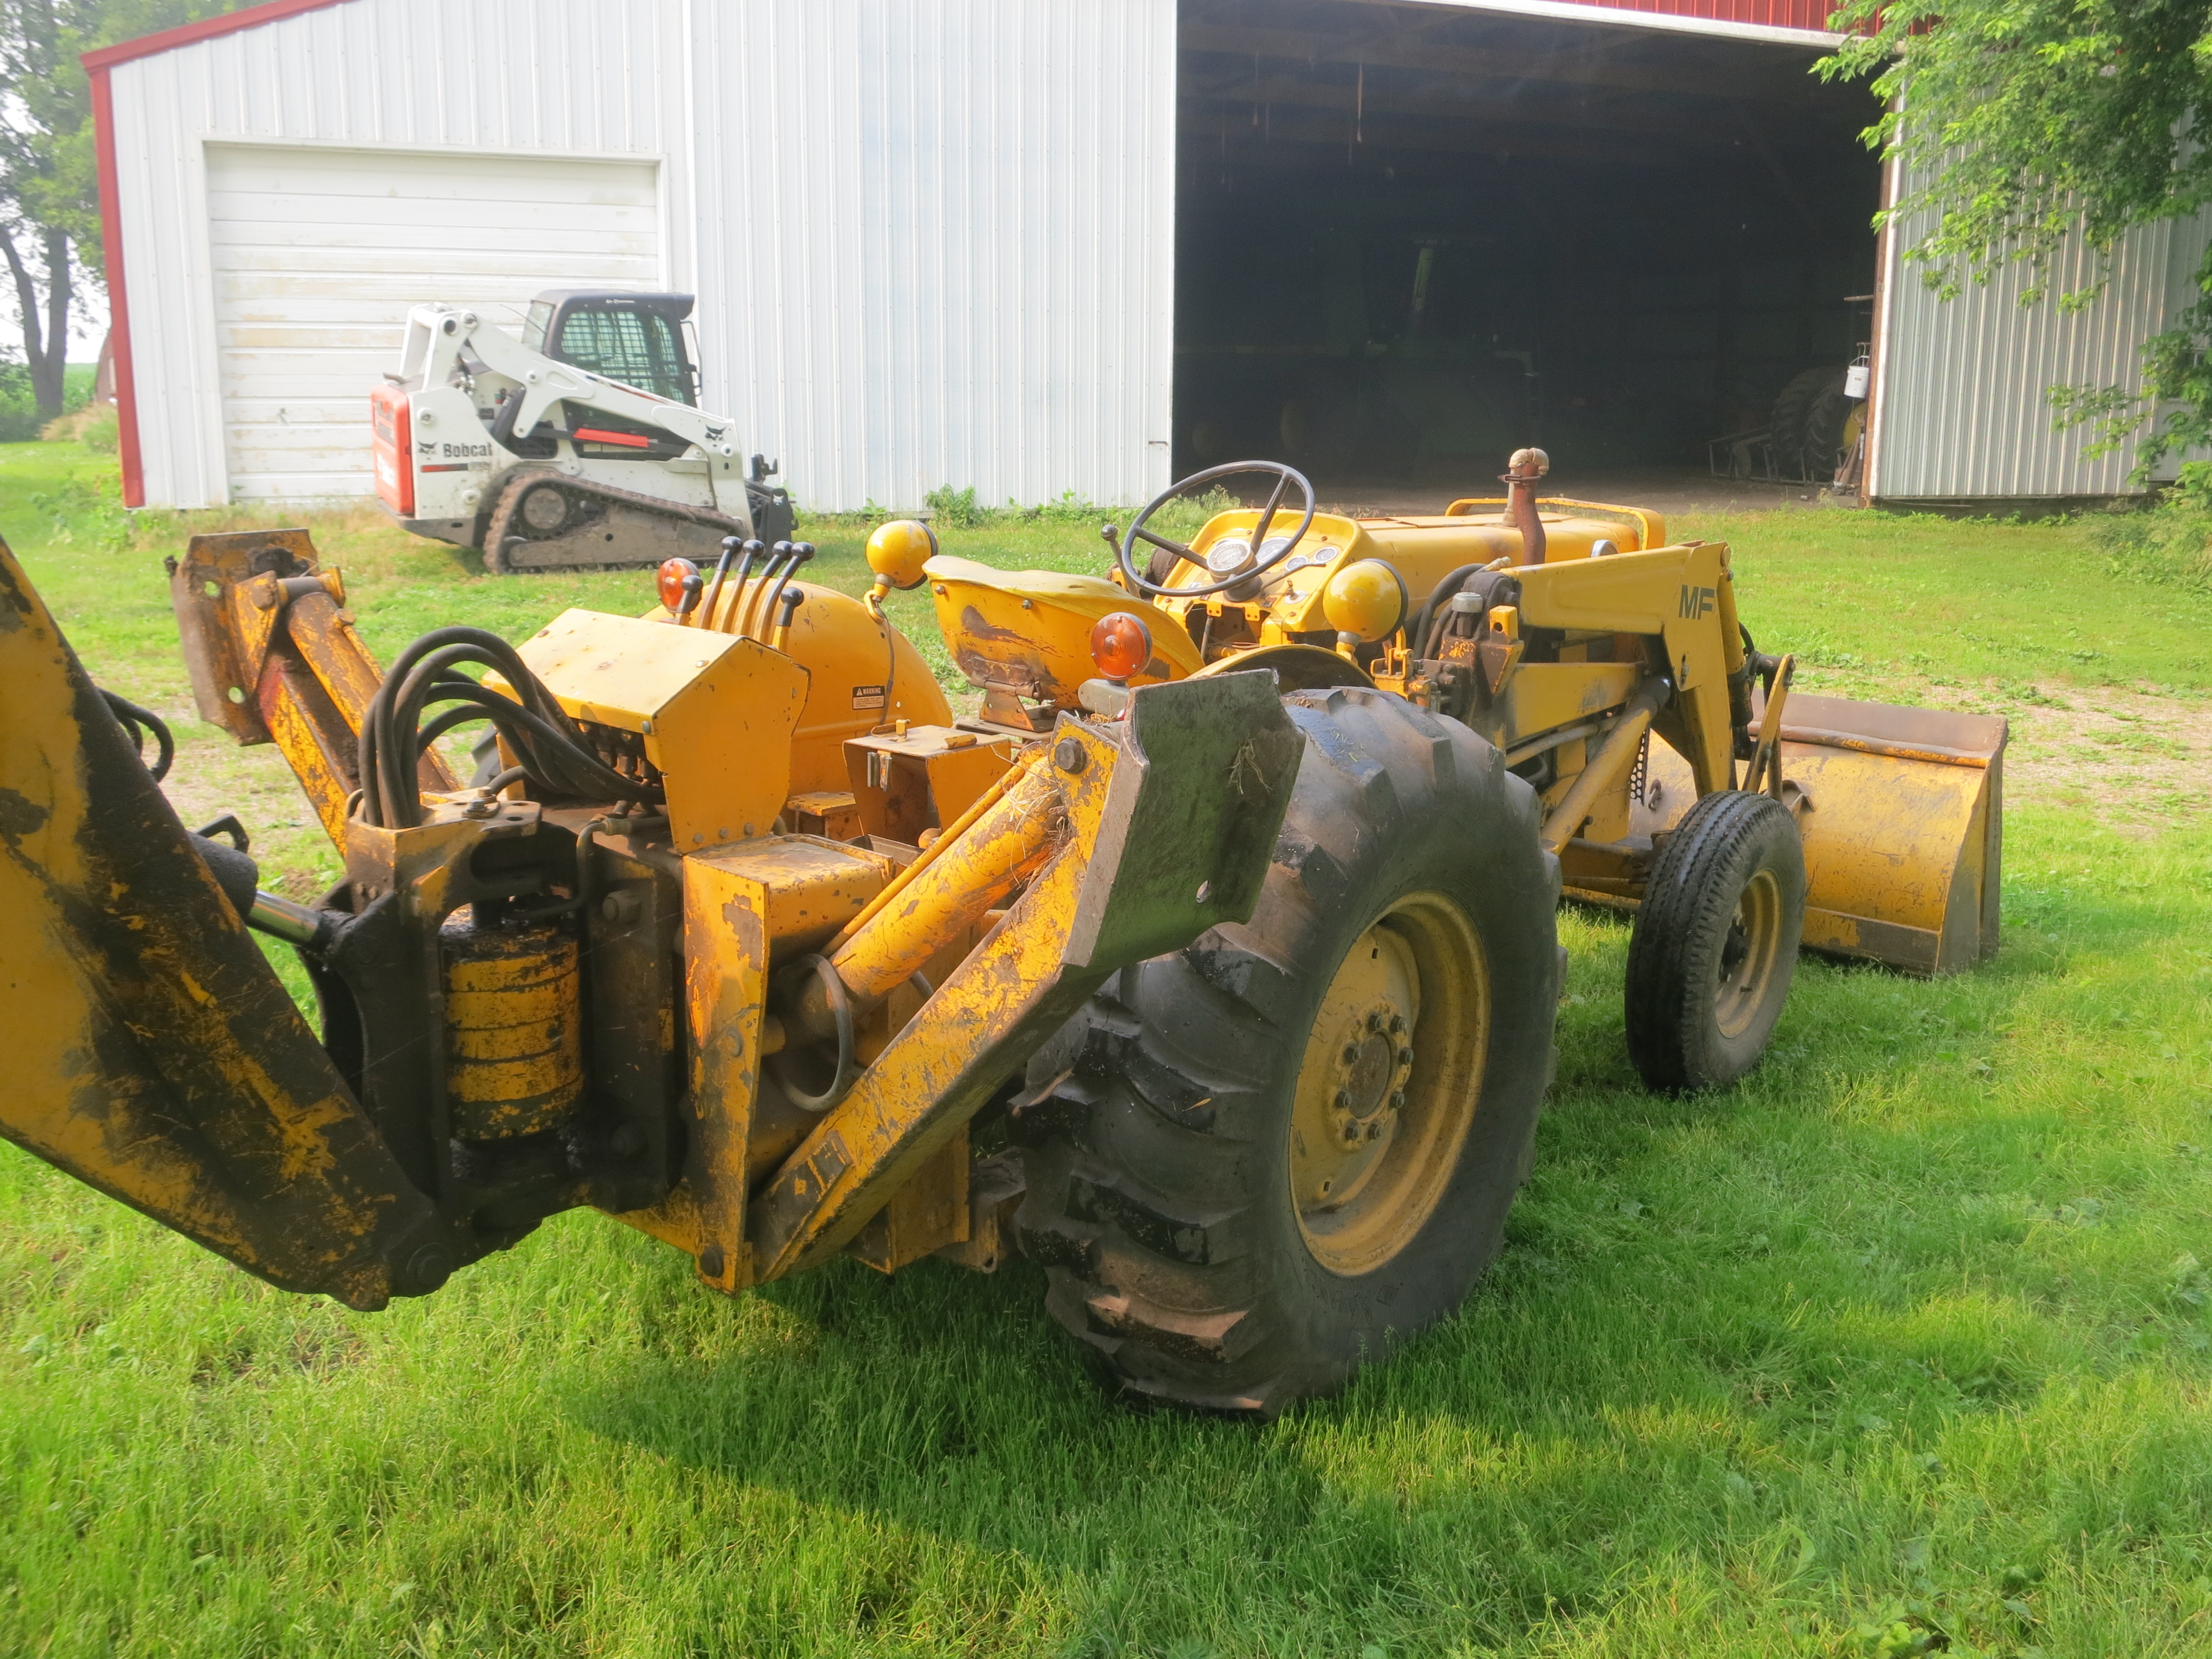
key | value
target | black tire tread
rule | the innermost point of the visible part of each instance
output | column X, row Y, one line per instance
column 1146, row 1197
column 1786, row 426
column 1666, row 1027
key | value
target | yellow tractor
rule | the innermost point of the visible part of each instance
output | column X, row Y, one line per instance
column 1213, row 966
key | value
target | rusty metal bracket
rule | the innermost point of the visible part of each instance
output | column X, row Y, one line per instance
column 274, row 659
column 1764, row 772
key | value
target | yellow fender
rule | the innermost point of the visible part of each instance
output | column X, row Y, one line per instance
column 1029, row 631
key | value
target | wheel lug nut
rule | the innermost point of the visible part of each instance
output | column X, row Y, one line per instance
column 1374, row 1021
column 1344, row 1100
column 1397, row 1100
column 1351, row 1134
column 1351, row 1053
column 1397, row 1024
column 1375, row 1130
column 1405, row 1056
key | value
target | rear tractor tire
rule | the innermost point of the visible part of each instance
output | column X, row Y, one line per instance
column 1714, row 942
column 1255, row 1163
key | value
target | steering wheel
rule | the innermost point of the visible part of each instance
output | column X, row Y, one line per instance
column 1285, row 477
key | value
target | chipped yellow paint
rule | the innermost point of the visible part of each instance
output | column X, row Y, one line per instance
column 514, row 1060
column 921, row 1091
column 1031, row 629
column 736, row 905
column 896, row 1116
column 971, row 874
column 861, row 673
column 114, row 1050
column 717, row 713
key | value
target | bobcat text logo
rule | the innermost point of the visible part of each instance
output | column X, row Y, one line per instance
column 1697, row 601
column 465, row 451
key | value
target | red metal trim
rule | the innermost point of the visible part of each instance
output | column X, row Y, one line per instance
column 591, row 434
column 97, row 64
column 118, row 306
column 184, row 35
column 1762, row 14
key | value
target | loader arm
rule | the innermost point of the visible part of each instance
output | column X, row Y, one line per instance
column 154, row 1054
column 545, row 381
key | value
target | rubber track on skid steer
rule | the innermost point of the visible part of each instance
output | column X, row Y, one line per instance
column 498, row 562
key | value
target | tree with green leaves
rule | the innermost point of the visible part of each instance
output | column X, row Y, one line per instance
column 49, row 182
column 2020, row 123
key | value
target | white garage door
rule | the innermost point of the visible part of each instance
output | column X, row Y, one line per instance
column 320, row 253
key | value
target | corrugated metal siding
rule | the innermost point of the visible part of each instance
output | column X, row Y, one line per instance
column 318, row 252
column 936, row 236
column 602, row 78
column 945, row 244
column 1964, row 384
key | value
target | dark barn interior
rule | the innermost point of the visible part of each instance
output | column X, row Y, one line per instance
column 1413, row 237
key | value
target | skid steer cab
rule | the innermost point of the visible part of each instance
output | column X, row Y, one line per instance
column 580, row 446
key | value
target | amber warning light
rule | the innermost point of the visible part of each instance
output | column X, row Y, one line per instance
column 677, row 585
column 1120, row 645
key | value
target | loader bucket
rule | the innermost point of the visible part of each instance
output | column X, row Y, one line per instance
column 1901, row 811
column 1903, row 823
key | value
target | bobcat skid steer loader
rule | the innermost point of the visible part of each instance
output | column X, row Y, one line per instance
column 580, row 445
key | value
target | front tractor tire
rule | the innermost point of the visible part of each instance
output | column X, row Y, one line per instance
column 1714, row 942
column 1255, row 1163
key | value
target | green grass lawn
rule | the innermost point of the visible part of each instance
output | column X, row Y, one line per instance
column 1904, row 1344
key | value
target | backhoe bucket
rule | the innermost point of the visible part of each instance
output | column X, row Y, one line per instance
column 151, row 1051
column 1903, row 822
column 1901, row 811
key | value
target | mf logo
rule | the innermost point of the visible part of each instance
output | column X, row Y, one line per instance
column 1697, row 601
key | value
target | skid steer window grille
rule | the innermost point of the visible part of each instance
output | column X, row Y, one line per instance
column 638, row 347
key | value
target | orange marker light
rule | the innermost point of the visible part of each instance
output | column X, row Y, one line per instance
column 669, row 583
column 1120, row 645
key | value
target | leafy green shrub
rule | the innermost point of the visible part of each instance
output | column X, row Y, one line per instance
column 19, row 416
column 957, row 508
column 2170, row 543
column 88, row 511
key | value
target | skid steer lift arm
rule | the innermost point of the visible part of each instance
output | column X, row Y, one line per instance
column 160, row 1059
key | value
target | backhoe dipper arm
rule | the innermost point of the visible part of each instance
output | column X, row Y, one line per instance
column 153, row 1052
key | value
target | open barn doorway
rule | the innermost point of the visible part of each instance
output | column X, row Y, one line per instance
column 1413, row 237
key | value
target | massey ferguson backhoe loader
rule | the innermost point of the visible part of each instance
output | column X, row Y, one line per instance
column 579, row 446
column 1214, row 967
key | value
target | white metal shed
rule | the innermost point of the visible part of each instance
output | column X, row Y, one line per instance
column 930, row 239
column 934, row 241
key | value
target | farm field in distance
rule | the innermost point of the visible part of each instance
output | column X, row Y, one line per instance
column 1903, row 1345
